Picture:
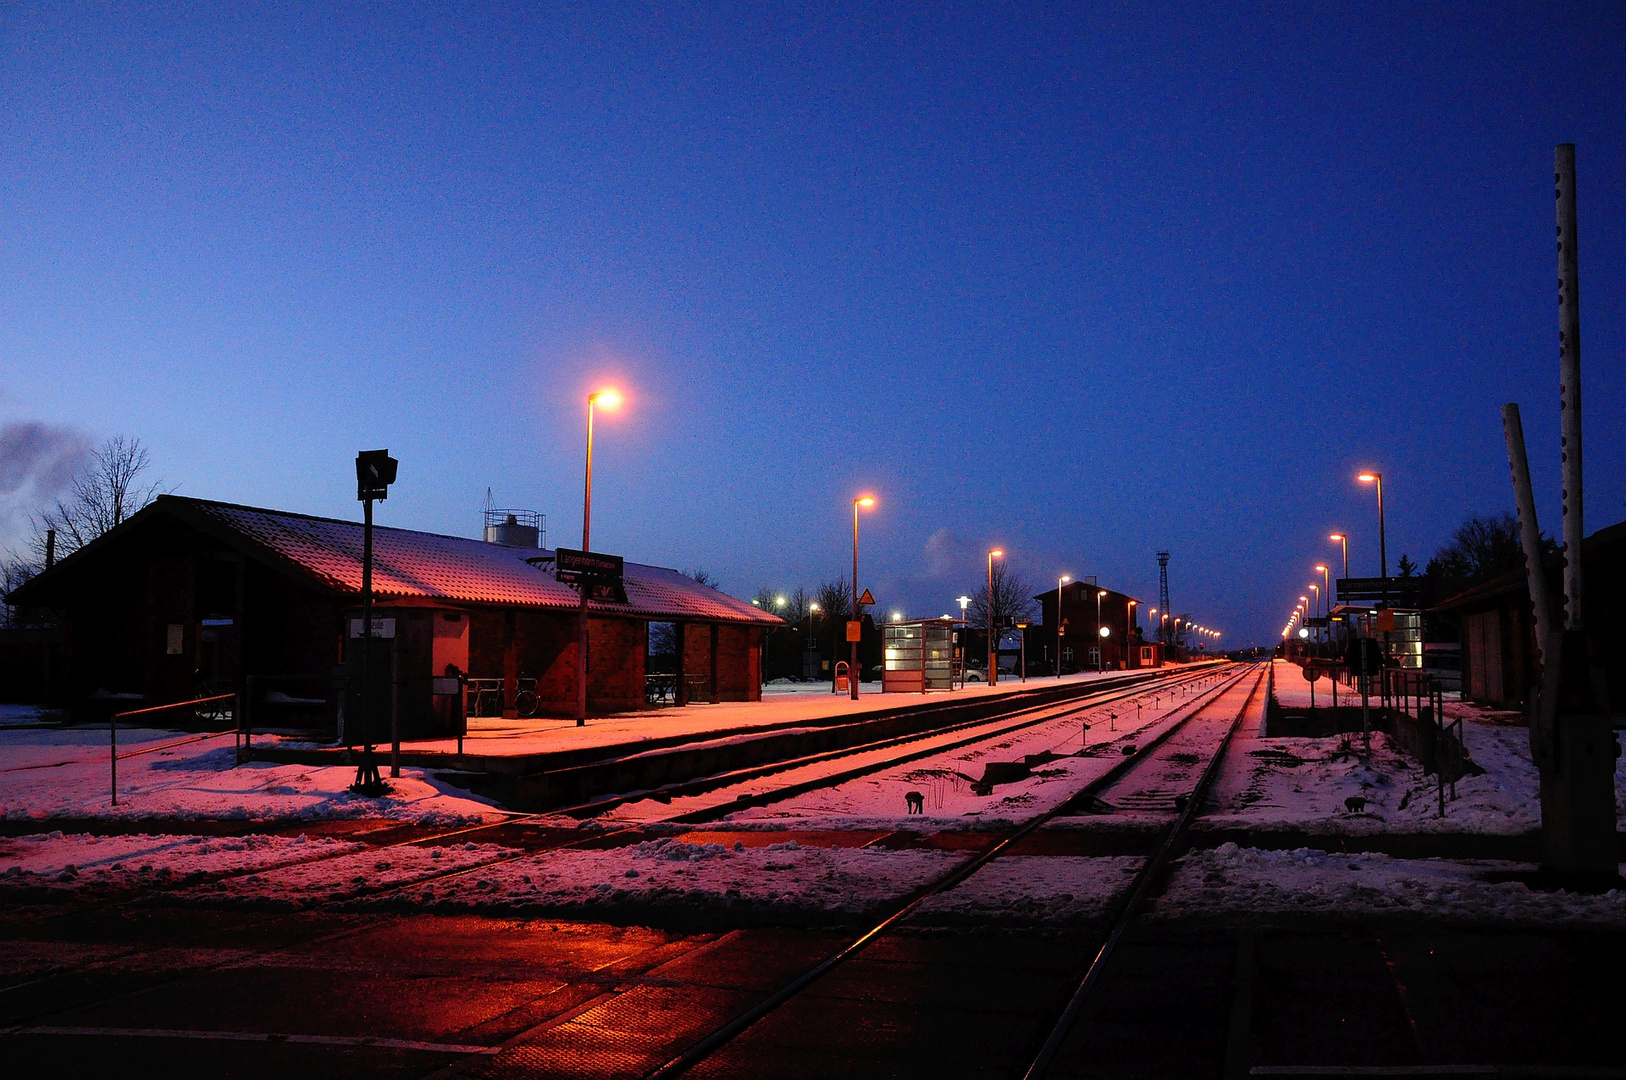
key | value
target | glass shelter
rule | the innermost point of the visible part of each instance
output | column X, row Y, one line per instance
column 919, row 657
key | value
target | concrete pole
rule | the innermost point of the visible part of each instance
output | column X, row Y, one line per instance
column 1569, row 380
column 1524, row 499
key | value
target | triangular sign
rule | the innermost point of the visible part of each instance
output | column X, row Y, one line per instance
column 867, row 599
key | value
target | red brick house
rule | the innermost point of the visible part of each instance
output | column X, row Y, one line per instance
column 190, row 593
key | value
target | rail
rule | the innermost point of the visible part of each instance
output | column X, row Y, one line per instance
column 113, row 730
column 1144, row 882
column 723, row 1035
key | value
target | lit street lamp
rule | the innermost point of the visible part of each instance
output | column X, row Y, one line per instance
column 1065, row 578
column 993, row 664
column 965, row 636
column 1129, row 623
column 1101, row 631
column 610, row 399
column 866, row 501
column 1383, row 543
column 1344, row 540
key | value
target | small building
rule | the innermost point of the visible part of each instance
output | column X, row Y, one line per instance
column 919, row 656
column 1081, row 645
column 1495, row 622
column 190, row 596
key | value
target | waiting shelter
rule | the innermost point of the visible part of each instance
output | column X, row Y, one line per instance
column 919, row 656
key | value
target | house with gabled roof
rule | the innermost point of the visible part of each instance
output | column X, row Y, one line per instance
column 191, row 595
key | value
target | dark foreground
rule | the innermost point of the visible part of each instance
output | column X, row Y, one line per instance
column 136, row 992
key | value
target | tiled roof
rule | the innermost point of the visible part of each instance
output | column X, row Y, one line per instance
column 417, row 565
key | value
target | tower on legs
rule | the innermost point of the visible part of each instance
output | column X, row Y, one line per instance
column 1164, row 614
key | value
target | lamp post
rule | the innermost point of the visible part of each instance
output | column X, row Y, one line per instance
column 865, row 501
column 993, row 657
column 1064, row 579
column 1101, row 645
column 610, row 399
column 1317, row 590
column 965, row 631
column 1383, row 543
column 1129, row 624
column 1343, row 540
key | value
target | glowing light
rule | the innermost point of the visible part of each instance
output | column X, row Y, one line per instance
column 608, row 398
column 780, row 601
column 996, row 554
column 1320, row 569
column 866, row 501
column 814, row 607
column 1367, row 478
column 1336, row 537
column 1106, row 631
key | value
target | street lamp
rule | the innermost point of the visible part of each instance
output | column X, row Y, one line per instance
column 1344, row 540
column 993, row 665
column 1383, row 543
column 1064, row 579
column 965, row 636
column 1129, row 622
column 1101, row 650
column 610, row 399
column 867, row 502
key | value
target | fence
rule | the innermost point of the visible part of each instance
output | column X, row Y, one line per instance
column 1421, row 697
column 113, row 732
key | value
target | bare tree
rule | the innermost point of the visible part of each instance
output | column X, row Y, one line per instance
column 1012, row 598
column 107, row 491
column 704, row 577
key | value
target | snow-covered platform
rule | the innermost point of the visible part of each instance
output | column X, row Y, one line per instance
column 498, row 745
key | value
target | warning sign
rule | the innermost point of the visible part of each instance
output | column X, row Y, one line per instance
column 867, row 599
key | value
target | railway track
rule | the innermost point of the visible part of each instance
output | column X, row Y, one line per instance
column 1198, row 684
column 1129, row 907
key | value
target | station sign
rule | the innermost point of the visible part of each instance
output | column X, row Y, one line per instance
column 599, row 576
column 382, row 628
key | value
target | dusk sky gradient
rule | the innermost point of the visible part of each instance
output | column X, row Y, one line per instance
column 1080, row 281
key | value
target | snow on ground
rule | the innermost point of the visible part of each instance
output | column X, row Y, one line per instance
column 1229, row 879
column 102, row 864
column 943, row 780
column 53, row 772
column 784, row 704
column 1033, row 888
column 328, row 881
column 1306, row 784
column 669, row 873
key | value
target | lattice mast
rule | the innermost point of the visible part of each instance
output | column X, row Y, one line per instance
column 1164, row 615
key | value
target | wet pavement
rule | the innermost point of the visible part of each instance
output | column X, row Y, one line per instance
column 165, row 993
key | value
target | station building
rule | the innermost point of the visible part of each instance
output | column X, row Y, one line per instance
column 191, row 596
column 1500, row 663
column 1083, row 646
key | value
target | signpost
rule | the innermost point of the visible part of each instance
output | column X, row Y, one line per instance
column 375, row 472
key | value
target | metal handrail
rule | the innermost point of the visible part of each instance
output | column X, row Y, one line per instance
column 113, row 730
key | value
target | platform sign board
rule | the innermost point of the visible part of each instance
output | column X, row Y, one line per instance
column 382, row 628
column 1399, row 592
column 855, row 631
column 597, row 574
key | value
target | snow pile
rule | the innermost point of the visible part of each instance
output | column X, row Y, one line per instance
column 1323, row 784
column 1033, row 889
column 1309, row 882
column 328, row 881
column 671, row 874
column 100, row 865
column 63, row 773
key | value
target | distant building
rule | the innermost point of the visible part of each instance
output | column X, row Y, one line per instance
column 1496, row 625
column 1082, row 646
column 190, row 595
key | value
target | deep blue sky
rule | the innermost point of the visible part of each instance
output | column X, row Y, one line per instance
column 1081, row 282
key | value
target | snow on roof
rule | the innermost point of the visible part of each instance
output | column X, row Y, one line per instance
column 411, row 565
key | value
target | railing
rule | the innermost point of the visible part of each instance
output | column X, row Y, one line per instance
column 1420, row 695
column 113, row 732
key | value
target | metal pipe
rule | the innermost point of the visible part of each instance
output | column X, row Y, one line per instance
column 1569, row 381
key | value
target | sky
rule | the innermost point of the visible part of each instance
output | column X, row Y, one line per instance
column 1082, row 282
